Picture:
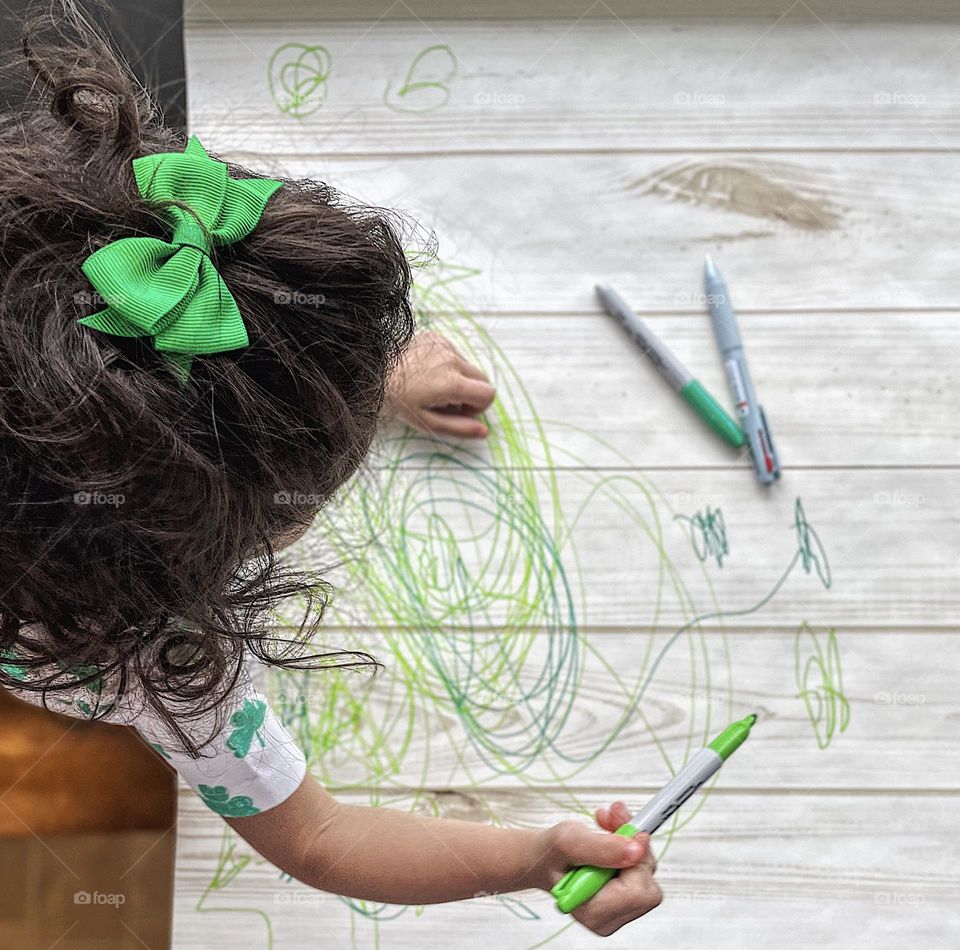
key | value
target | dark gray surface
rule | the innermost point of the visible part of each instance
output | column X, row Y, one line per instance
column 148, row 34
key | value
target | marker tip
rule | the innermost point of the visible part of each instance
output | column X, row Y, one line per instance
column 752, row 717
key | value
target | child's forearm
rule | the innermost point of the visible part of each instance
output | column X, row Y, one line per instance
column 387, row 855
column 382, row 854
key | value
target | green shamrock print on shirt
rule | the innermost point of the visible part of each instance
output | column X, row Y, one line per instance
column 248, row 720
column 160, row 750
column 12, row 669
column 218, row 799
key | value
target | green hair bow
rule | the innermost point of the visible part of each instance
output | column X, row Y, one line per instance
column 170, row 290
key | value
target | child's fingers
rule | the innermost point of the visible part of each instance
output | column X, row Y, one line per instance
column 611, row 817
column 455, row 426
column 577, row 845
column 474, row 372
column 630, row 895
column 474, row 394
column 649, row 859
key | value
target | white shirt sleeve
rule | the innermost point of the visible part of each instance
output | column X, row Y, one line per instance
column 252, row 764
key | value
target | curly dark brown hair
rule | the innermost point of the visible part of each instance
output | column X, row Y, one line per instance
column 182, row 554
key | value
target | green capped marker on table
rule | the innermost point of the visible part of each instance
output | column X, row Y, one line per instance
column 578, row 885
column 672, row 369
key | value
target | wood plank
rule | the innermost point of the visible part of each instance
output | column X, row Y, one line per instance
column 542, row 229
column 842, row 870
column 530, row 597
column 857, row 389
column 233, row 11
column 87, row 891
column 451, row 543
column 502, row 710
column 598, row 84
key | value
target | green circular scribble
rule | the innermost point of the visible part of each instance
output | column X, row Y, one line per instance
column 297, row 75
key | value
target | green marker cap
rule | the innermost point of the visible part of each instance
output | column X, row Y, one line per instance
column 578, row 885
column 712, row 413
column 732, row 737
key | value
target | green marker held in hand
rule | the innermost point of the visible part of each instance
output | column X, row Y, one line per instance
column 578, row 885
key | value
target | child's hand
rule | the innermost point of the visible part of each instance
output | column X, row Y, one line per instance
column 631, row 894
column 436, row 390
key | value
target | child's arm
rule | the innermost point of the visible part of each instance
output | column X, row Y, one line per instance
column 381, row 854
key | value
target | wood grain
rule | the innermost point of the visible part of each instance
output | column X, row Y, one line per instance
column 897, row 691
column 869, row 388
column 615, row 543
column 539, row 87
column 809, row 149
column 766, row 12
column 751, row 870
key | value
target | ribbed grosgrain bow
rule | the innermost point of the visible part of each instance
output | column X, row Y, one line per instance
column 171, row 291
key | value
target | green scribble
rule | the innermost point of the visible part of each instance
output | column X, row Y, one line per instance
column 458, row 566
column 248, row 722
column 812, row 554
column 708, row 534
column 228, row 866
column 425, row 87
column 297, row 75
column 819, row 680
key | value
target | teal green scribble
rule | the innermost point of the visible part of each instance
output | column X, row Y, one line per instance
column 819, row 679
column 708, row 535
column 811, row 551
column 464, row 563
column 425, row 87
column 297, row 75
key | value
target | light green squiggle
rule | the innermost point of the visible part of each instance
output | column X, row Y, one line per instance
column 426, row 85
column 819, row 678
column 463, row 564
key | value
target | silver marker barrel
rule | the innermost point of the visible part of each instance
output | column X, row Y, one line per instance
column 675, row 372
column 752, row 419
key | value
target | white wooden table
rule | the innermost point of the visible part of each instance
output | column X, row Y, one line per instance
column 563, row 615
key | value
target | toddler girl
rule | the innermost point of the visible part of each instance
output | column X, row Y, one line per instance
column 193, row 359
